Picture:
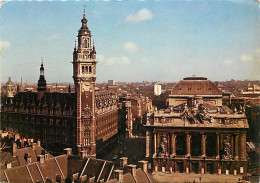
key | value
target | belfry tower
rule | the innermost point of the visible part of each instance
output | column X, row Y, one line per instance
column 84, row 75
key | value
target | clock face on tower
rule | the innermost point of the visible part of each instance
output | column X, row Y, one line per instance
column 85, row 87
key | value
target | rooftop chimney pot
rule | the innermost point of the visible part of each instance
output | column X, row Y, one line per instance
column 14, row 149
column 41, row 159
column 123, row 161
column 68, row 151
column 38, row 143
column 33, row 146
column 143, row 164
column 119, row 175
column 132, row 169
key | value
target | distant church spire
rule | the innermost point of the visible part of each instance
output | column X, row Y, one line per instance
column 69, row 89
column 42, row 81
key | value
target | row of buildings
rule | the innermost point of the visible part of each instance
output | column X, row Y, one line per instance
column 59, row 120
column 195, row 133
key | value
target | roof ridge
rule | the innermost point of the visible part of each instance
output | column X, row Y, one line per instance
column 29, row 173
column 6, row 176
column 145, row 175
column 108, row 178
column 40, row 172
column 84, row 168
column 59, row 167
column 101, row 171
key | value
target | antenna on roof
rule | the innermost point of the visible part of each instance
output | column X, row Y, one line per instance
column 84, row 8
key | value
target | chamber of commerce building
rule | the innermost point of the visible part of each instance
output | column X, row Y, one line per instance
column 59, row 120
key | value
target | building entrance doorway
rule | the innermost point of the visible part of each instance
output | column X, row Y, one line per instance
column 195, row 167
column 210, row 168
column 180, row 167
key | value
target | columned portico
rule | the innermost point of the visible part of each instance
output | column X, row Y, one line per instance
column 196, row 133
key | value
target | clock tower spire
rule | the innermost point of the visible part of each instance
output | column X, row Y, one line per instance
column 84, row 75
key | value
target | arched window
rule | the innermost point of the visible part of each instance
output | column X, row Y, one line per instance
column 90, row 69
column 85, row 43
column 83, row 69
column 86, row 69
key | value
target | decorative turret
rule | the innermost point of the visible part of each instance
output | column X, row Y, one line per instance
column 9, row 88
column 93, row 53
column 42, row 81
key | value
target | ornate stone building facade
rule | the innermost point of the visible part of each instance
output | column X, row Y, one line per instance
column 196, row 133
column 75, row 120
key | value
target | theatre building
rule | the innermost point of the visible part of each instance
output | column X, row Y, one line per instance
column 196, row 133
column 61, row 120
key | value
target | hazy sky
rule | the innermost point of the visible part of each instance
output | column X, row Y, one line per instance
column 135, row 41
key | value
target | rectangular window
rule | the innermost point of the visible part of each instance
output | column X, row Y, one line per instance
column 51, row 121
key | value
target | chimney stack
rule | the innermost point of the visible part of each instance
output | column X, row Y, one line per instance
column 14, row 149
column 119, row 175
column 60, row 179
column 123, row 162
column 143, row 164
column 68, row 151
column 132, row 169
column 38, row 143
column 40, row 159
column 33, row 146
column 83, row 154
column 22, row 142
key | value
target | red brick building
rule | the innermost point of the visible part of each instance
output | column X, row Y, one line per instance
column 61, row 120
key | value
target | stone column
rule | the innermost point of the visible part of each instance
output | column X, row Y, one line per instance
column 173, row 144
column 148, row 143
column 168, row 144
column 232, row 145
column 158, row 138
column 188, row 137
column 154, row 142
column 236, row 147
column 243, row 146
column 217, row 148
column 203, row 144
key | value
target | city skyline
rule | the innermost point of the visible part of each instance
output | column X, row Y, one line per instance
column 136, row 41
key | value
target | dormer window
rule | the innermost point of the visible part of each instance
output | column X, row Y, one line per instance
column 8, row 165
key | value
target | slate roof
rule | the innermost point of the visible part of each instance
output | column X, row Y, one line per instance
column 141, row 177
column 195, row 86
column 63, row 165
